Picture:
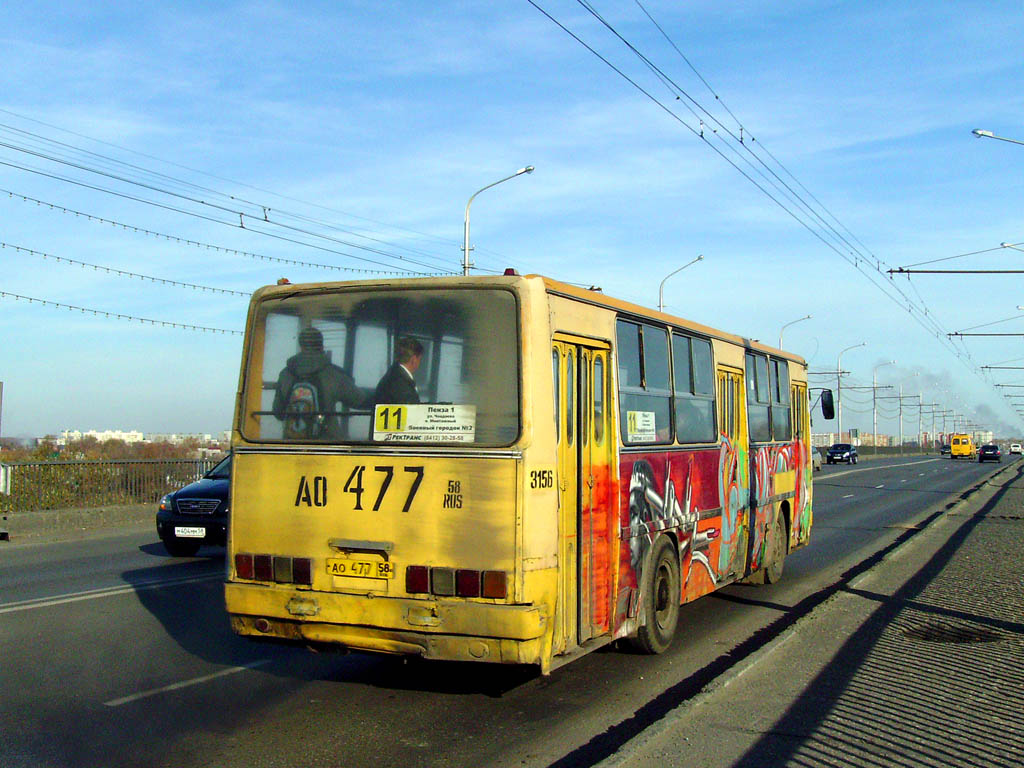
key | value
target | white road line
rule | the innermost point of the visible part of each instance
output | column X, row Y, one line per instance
column 880, row 486
column 184, row 684
column 93, row 594
column 903, row 481
column 883, row 466
column 848, row 496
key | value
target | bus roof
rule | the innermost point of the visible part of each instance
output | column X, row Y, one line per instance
column 600, row 299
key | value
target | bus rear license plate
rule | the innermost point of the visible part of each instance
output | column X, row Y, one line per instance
column 190, row 532
column 363, row 569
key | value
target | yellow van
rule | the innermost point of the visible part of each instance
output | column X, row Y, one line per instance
column 962, row 447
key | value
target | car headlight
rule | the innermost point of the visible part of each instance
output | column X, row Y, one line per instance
column 167, row 503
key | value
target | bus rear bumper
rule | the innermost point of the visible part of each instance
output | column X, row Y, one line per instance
column 432, row 629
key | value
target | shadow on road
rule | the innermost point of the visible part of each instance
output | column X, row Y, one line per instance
column 886, row 692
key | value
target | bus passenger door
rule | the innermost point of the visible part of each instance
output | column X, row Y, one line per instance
column 735, row 469
column 585, row 481
column 565, row 368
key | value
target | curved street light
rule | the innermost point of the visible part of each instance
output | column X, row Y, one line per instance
column 792, row 322
column 465, row 247
column 983, row 134
column 839, row 386
column 874, row 401
column 661, row 288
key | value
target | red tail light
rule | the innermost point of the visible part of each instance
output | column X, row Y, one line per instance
column 264, row 567
column 302, row 570
column 417, row 579
column 495, row 584
column 243, row 567
column 467, row 583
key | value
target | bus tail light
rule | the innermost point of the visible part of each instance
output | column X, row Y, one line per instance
column 442, row 581
column 283, row 570
column 467, row 583
column 495, row 584
column 461, row 582
column 244, row 567
column 264, row 566
column 417, row 579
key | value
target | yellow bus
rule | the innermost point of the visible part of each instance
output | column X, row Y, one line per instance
column 502, row 469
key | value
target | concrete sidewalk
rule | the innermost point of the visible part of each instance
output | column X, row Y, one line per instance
column 917, row 662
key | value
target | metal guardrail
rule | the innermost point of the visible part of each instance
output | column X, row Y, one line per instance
column 28, row 486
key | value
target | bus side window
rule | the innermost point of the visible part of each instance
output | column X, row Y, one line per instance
column 645, row 386
column 758, row 399
column 781, row 423
column 694, row 390
column 598, row 400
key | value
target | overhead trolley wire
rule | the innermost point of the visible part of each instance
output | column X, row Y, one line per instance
column 118, row 315
column 920, row 314
column 197, row 243
column 233, row 211
column 230, row 181
column 122, row 272
column 175, row 209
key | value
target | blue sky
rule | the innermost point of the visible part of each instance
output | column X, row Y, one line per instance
column 372, row 124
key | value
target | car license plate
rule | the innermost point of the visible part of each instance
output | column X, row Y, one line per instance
column 189, row 532
column 363, row 569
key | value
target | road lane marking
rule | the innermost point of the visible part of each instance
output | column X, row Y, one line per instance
column 848, row 496
column 184, row 683
column 93, row 594
column 880, row 486
column 903, row 481
column 884, row 466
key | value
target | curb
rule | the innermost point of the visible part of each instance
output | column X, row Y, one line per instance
column 63, row 523
column 925, row 521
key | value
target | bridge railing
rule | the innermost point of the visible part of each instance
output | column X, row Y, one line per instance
column 41, row 485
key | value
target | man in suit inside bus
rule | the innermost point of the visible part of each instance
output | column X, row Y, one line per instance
column 398, row 385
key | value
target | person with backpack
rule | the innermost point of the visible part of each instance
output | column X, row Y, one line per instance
column 309, row 389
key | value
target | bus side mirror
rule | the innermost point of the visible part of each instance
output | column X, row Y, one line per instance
column 828, row 408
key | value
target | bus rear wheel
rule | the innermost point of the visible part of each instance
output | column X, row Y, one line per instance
column 778, row 546
column 661, row 596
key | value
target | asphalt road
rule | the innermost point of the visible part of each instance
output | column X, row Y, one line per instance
column 113, row 654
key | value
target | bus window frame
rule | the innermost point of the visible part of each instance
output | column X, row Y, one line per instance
column 244, row 418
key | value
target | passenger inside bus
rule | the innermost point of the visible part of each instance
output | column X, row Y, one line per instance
column 398, row 384
column 309, row 389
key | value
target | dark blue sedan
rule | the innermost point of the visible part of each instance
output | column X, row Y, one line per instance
column 196, row 514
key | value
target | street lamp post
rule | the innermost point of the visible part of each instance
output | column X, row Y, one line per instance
column 839, row 386
column 874, row 401
column 982, row 134
column 661, row 288
column 465, row 247
column 792, row 322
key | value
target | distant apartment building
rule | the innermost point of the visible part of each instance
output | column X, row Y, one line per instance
column 174, row 437
column 71, row 435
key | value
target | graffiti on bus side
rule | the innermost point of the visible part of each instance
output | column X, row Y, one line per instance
column 670, row 491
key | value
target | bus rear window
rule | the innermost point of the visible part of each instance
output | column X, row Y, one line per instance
column 384, row 366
